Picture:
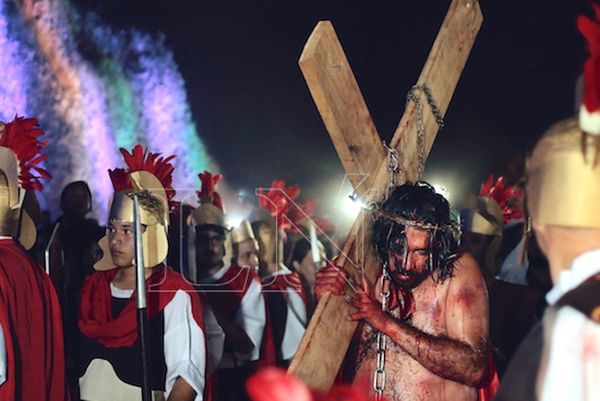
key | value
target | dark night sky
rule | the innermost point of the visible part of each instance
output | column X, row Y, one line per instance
column 255, row 114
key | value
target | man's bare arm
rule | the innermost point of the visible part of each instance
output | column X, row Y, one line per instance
column 182, row 391
column 445, row 357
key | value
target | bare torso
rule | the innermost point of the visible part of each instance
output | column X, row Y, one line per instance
column 407, row 379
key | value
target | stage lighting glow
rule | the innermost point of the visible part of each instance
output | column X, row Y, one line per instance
column 352, row 207
column 442, row 190
column 234, row 220
column 94, row 89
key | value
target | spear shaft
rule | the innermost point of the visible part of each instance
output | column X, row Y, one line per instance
column 140, row 285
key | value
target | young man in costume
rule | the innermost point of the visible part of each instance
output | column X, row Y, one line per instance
column 233, row 292
column 287, row 303
column 560, row 358
column 32, row 365
column 436, row 311
column 110, row 367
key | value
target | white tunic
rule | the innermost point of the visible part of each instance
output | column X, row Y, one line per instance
column 572, row 349
column 251, row 315
column 296, row 320
column 185, row 356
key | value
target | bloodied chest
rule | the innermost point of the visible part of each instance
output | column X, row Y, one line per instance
column 405, row 378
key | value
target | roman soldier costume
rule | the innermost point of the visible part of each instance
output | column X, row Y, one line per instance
column 233, row 293
column 32, row 365
column 110, row 366
column 559, row 359
column 287, row 301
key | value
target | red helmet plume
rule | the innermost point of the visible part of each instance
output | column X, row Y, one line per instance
column 589, row 115
column 277, row 201
column 21, row 136
column 207, row 193
column 142, row 160
column 505, row 196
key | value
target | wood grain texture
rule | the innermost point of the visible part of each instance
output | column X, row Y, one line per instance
column 342, row 107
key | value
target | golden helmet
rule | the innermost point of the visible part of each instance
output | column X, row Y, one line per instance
column 563, row 171
column 149, row 176
column 563, row 175
column 210, row 211
column 20, row 175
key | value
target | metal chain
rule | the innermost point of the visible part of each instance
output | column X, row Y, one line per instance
column 381, row 338
column 393, row 166
column 437, row 115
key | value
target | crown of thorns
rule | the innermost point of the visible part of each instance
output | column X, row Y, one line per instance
column 451, row 226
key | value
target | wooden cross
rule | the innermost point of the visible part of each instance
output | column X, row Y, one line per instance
column 347, row 119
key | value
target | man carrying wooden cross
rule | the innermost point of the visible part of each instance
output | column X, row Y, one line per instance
column 429, row 301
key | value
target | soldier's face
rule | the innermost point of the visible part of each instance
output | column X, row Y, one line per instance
column 267, row 244
column 247, row 254
column 408, row 258
column 121, row 241
column 210, row 247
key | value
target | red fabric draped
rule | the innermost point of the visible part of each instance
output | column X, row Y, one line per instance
column 226, row 297
column 492, row 382
column 95, row 316
column 31, row 323
column 281, row 282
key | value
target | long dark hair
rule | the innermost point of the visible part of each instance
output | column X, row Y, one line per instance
column 418, row 203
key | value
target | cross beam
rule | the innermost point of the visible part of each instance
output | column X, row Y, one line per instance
column 347, row 119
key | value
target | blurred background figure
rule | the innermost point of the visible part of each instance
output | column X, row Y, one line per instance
column 72, row 248
column 245, row 246
column 302, row 261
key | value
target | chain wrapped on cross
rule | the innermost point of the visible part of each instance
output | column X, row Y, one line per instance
column 369, row 166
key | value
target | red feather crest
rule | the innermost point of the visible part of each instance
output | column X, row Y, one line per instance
column 590, row 29
column 21, row 136
column 142, row 160
column 297, row 213
column 207, row 193
column 277, row 201
column 505, row 196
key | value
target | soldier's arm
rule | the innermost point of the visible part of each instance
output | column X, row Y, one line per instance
column 182, row 391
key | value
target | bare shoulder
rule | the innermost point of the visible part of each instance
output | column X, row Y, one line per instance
column 467, row 315
column 466, row 269
column 467, row 278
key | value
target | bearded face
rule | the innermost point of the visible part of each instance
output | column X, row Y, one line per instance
column 408, row 258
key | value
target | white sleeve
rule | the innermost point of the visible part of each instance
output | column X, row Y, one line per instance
column 251, row 317
column 295, row 324
column 2, row 357
column 573, row 366
column 185, row 354
column 215, row 339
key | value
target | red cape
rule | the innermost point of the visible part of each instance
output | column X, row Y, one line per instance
column 32, row 326
column 95, row 314
column 225, row 296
